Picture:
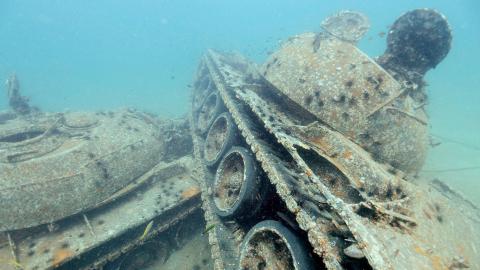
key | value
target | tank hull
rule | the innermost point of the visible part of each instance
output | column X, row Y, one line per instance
column 353, row 210
column 72, row 163
column 93, row 183
column 349, row 91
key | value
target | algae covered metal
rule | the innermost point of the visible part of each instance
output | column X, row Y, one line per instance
column 58, row 165
column 69, row 180
column 382, row 110
column 337, row 139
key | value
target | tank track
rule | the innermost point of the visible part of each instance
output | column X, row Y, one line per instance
column 222, row 247
column 279, row 173
column 349, row 199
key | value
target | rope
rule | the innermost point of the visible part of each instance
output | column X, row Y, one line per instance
column 454, row 169
column 471, row 146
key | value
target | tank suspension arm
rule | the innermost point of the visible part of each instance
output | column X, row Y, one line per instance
column 89, row 225
column 13, row 249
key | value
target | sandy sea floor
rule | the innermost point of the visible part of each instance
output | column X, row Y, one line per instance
column 194, row 255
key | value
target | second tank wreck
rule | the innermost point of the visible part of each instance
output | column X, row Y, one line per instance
column 310, row 160
column 68, row 180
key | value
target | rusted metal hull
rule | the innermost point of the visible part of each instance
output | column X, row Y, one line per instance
column 347, row 90
column 94, row 178
column 339, row 195
column 72, row 163
column 165, row 195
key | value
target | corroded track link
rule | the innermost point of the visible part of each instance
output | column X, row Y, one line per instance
column 165, row 195
column 279, row 169
column 396, row 224
column 224, row 248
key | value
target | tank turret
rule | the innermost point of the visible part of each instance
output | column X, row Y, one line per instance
column 380, row 104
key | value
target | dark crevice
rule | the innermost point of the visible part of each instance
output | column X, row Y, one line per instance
column 333, row 178
column 22, row 136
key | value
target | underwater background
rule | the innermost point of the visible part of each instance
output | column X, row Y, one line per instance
column 95, row 55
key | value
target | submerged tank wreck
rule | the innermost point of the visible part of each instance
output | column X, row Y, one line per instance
column 69, row 180
column 310, row 161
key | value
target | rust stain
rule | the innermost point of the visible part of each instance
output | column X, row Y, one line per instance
column 61, row 255
column 434, row 259
column 362, row 245
column 190, row 192
column 347, row 154
column 322, row 144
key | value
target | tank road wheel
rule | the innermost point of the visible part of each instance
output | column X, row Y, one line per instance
column 211, row 107
column 270, row 245
column 238, row 191
column 203, row 87
column 220, row 137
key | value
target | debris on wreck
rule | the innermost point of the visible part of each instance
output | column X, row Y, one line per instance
column 16, row 101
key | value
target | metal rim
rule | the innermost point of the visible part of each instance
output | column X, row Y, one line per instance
column 211, row 106
column 219, row 138
column 271, row 245
column 229, row 181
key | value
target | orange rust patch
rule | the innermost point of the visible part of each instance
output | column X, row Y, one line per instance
column 434, row 259
column 61, row 255
column 322, row 144
column 420, row 251
column 190, row 192
column 362, row 245
column 437, row 263
column 347, row 154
